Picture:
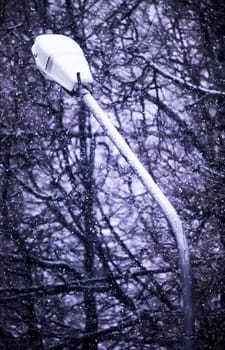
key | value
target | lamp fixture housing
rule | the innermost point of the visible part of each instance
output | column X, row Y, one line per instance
column 61, row 59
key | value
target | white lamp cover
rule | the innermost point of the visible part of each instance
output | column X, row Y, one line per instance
column 60, row 58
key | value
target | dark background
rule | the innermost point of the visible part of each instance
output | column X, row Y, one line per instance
column 87, row 260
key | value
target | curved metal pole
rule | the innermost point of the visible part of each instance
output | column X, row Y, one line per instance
column 165, row 205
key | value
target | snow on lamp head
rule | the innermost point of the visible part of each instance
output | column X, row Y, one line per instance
column 61, row 59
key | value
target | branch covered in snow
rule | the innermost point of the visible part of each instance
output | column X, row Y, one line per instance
column 181, row 82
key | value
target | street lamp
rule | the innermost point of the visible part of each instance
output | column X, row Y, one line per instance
column 61, row 59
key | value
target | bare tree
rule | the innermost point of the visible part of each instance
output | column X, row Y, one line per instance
column 88, row 261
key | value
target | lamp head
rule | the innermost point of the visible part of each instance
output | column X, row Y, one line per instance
column 61, row 59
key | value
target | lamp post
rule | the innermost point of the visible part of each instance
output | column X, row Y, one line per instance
column 60, row 59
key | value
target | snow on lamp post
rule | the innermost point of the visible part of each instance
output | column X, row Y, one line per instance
column 61, row 59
